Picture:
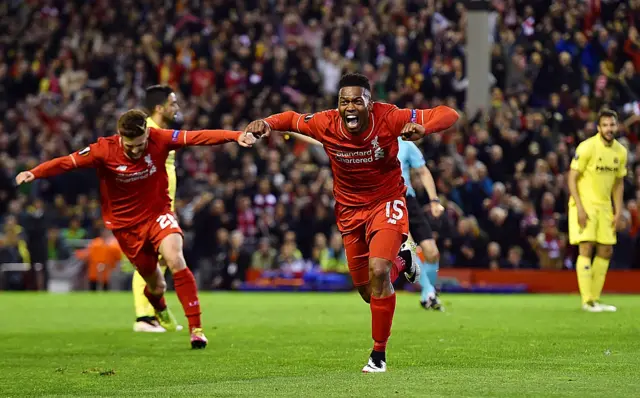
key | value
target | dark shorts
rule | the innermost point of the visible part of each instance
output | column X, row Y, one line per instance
column 418, row 224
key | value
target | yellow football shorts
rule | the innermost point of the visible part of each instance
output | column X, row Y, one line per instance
column 599, row 228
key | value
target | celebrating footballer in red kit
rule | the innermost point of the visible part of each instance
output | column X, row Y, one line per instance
column 361, row 140
column 136, row 205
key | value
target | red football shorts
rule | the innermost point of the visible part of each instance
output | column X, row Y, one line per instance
column 141, row 243
column 370, row 232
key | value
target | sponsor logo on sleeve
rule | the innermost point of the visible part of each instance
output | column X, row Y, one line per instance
column 308, row 117
column 414, row 116
column 84, row 152
column 175, row 135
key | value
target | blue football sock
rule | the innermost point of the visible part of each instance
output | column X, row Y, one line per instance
column 428, row 278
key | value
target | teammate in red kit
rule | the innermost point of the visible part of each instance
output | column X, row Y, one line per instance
column 136, row 205
column 361, row 140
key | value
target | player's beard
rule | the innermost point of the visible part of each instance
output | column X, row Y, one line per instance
column 134, row 157
column 174, row 120
column 140, row 154
column 609, row 137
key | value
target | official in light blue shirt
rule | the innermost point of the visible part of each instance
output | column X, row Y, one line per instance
column 410, row 157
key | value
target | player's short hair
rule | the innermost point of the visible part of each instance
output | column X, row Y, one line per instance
column 132, row 123
column 607, row 113
column 354, row 80
column 156, row 95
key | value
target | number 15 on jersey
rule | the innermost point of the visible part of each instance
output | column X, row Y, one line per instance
column 394, row 211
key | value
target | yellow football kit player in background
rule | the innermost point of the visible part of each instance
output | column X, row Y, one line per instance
column 595, row 181
column 162, row 105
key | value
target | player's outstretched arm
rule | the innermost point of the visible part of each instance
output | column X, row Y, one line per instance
column 439, row 119
column 414, row 124
column 306, row 124
column 88, row 157
column 181, row 138
column 306, row 139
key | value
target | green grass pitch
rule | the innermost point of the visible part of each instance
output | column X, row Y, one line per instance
column 314, row 345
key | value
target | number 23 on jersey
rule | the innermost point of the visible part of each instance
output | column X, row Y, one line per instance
column 167, row 220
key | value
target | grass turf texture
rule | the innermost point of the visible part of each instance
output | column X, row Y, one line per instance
column 302, row 345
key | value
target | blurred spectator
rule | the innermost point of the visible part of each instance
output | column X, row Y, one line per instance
column 11, row 252
column 36, row 222
column 101, row 256
column 469, row 244
column 74, row 231
column 624, row 255
column 264, row 257
column 332, row 258
column 289, row 258
column 232, row 264
column 513, row 259
column 12, row 248
column 494, row 253
column 550, row 246
column 57, row 246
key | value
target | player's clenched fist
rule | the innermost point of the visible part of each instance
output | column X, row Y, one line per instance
column 246, row 140
column 412, row 132
column 258, row 128
column 24, row 177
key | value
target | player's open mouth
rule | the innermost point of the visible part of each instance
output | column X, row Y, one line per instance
column 351, row 121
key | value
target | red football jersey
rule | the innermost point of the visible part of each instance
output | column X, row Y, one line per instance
column 365, row 167
column 133, row 191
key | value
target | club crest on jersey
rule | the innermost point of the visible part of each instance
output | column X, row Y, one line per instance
column 362, row 156
column 84, row 152
column 175, row 135
column 133, row 175
column 152, row 167
column 378, row 153
column 308, row 117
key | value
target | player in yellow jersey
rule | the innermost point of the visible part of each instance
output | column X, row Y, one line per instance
column 595, row 181
column 161, row 103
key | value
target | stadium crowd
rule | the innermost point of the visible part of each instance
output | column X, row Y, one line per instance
column 68, row 68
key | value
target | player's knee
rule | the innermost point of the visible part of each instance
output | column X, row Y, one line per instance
column 379, row 268
column 604, row 251
column 160, row 288
column 586, row 249
column 430, row 251
column 175, row 261
column 171, row 251
column 365, row 293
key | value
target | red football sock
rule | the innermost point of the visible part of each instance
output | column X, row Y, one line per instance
column 397, row 268
column 157, row 302
column 185, row 285
column 382, row 310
